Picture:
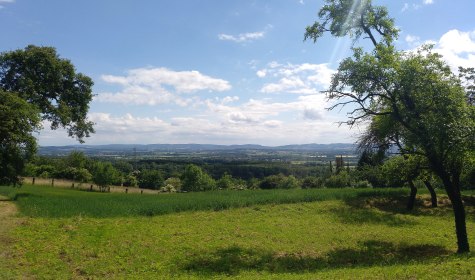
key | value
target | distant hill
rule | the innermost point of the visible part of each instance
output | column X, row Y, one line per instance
column 176, row 148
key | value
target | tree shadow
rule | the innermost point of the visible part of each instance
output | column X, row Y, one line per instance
column 234, row 259
column 361, row 215
column 391, row 205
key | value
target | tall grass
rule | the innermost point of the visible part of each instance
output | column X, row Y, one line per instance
column 42, row 201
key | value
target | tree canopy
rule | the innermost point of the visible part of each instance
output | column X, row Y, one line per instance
column 50, row 83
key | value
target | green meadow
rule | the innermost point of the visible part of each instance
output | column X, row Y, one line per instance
column 59, row 233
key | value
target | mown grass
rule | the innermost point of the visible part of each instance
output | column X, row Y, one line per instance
column 45, row 201
column 344, row 234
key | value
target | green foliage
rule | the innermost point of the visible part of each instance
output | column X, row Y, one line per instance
column 104, row 175
column 75, row 159
column 279, row 182
column 130, row 181
column 353, row 18
column 123, row 166
column 195, row 179
column 340, row 180
column 18, row 120
column 312, row 182
column 174, row 182
column 74, row 173
column 271, row 182
column 363, row 184
column 225, row 182
column 49, row 83
column 150, row 179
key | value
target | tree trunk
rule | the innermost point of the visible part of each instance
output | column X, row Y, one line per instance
column 433, row 195
column 459, row 211
column 412, row 196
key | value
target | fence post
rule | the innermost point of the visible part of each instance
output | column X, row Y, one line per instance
column 33, row 181
column 91, row 188
column 126, row 190
column 52, row 182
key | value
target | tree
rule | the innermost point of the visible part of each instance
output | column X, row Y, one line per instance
column 195, row 179
column 18, row 120
column 225, row 182
column 104, row 175
column 36, row 84
column 414, row 91
column 150, row 179
column 50, row 83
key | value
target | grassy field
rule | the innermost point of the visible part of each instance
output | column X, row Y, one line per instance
column 288, row 234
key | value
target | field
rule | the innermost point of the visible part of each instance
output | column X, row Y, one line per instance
column 55, row 233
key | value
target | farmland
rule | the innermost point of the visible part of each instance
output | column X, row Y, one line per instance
column 253, row 234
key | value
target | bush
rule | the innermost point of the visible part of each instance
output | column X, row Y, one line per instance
column 279, row 182
column 362, row 184
column 340, row 180
column 175, row 182
column 312, row 182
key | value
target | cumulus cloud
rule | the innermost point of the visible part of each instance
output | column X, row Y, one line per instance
column 457, row 47
column 303, row 78
column 258, row 112
column 153, row 86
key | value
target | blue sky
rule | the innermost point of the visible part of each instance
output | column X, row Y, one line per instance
column 213, row 71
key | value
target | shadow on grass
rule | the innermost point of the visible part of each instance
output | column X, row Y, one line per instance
column 354, row 215
column 390, row 205
column 234, row 259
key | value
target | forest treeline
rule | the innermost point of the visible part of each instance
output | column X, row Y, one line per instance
column 372, row 170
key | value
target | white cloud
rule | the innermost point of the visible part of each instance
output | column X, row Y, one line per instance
column 428, row 2
column 241, row 38
column 303, row 78
column 261, row 73
column 457, row 48
column 302, row 120
column 245, row 37
column 412, row 39
column 153, row 86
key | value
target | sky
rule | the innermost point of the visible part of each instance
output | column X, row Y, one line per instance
column 214, row 71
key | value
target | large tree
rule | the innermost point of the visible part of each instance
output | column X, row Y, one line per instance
column 51, row 84
column 416, row 93
column 36, row 84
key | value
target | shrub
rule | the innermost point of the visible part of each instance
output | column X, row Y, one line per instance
column 312, row 182
column 362, row 184
column 340, row 180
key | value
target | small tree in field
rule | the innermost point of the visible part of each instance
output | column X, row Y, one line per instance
column 104, row 175
column 195, row 179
